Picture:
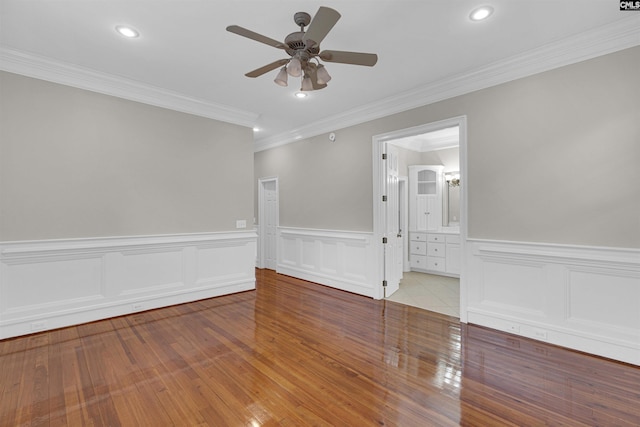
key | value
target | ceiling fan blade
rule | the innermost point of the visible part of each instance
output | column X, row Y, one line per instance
column 260, row 71
column 354, row 58
column 322, row 23
column 255, row 36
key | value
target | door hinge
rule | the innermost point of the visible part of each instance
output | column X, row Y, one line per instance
column 384, row 283
column 384, row 156
column 384, row 240
column 384, row 198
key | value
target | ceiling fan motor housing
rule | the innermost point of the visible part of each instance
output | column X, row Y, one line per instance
column 295, row 44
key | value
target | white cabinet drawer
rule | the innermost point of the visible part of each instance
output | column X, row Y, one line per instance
column 418, row 237
column 453, row 238
column 418, row 248
column 419, row 261
column 436, row 249
column 435, row 264
column 453, row 259
column 436, row 238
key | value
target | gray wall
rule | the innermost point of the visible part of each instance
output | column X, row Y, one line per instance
column 75, row 163
column 449, row 158
column 551, row 158
column 319, row 184
column 407, row 158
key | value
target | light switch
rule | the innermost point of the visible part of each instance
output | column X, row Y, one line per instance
column 241, row 223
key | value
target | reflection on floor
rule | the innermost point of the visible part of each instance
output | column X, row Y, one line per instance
column 434, row 293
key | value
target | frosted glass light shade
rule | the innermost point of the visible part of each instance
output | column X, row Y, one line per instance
column 306, row 83
column 295, row 68
column 323, row 75
column 281, row 78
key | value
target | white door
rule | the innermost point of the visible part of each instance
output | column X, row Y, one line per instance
column 268, row 217
column 393, row 249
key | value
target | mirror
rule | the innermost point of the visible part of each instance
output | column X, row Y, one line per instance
column 451, row 199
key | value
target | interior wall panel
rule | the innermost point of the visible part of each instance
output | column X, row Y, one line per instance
column 50, row 284
column 585, row 298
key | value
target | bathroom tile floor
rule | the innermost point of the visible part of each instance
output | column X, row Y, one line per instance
column 430, row 292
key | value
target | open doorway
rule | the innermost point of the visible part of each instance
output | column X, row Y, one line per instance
column 440, row 149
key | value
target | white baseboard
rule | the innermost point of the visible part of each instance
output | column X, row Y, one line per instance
column 583, row 298
column 340, row 259
column 56, row 283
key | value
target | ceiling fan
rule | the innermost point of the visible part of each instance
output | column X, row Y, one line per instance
column 303, row 48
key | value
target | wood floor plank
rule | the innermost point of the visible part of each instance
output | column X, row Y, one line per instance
column 294, row 353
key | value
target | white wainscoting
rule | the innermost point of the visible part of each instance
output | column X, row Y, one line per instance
column 56, row 283
column 340, row 259
column 583, row 298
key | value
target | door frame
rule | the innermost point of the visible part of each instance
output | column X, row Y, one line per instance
column 404, row 215
column 379, row 223
column 260, row 262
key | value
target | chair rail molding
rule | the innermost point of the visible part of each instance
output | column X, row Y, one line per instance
column 50, row 284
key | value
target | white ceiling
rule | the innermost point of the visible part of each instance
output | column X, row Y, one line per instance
column 434, row 140
column 184, row 55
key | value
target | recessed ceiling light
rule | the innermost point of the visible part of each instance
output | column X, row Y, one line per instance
column 481, row 13
column 127, row 31
column 256, row 129
column 301, row 95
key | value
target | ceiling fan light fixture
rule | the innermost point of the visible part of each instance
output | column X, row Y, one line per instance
column 301, row 95
column 323, row 75
column 295, row 67
column 481, row 13
column 307, row 84
column 281, row 78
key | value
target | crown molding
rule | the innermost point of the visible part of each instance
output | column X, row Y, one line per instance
column 610, row 38
column 30, row 65
column 619, row 35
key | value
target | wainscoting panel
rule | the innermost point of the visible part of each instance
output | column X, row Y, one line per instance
column 340, row 259
column 50, row 281
column 148, row 271
column 56, row 283
column 583, row 298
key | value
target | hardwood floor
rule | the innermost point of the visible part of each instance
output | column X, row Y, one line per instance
column 293, row 353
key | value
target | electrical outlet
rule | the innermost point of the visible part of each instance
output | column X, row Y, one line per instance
column 241, row 223
column 38, row 326
column 137, row 307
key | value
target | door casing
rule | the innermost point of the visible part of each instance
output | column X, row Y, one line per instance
column 379, row 186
